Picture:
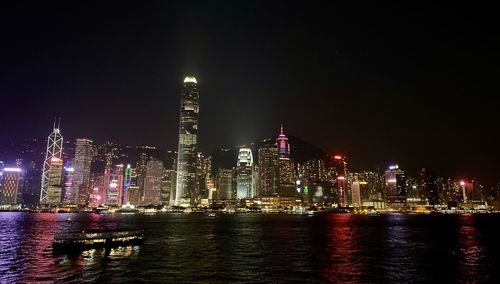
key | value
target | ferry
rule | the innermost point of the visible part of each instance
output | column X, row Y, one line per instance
column 72, row 241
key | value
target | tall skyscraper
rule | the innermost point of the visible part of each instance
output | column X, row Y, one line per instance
column 54, row 188
column 268, row 171
column 9, row 185
column 341, row 171
column 188, row 144
column 54, row 150
column 81, row 178
column 356, row 194
column 113, row 186
column 286, row 167
column 244, row 174
column 395, row 187
column 153, row 182
column 224, row 184
column 69, row 190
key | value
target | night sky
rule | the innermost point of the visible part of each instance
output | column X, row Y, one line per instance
column 416, row 84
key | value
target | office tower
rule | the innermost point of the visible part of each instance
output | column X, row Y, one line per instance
column 54, row 150
column 203, row 175
column 168, row 186
column 244, row 174
column 9, row 185
column 340, row 163
column 224, row 184
column 127, row 179
column 140, row 170
column 31, row 184
column 153, row 181
column 69, row 190
column 395, row 187
column 84, row 152
column 113, row 186
column 371, row 184
column 268, row 170
column 54, row 188
column 133, row 194
column 188, row 144
column 286, row 167
column 313, row 175
column 356, row 194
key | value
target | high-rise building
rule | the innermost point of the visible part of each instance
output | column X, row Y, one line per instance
column 54, row 150
column 356, row 194
column 9, row 185
column 188, row 144
column 168, row 186
column 313, row 176
column 127, row 179
column 224, row 184
column 340, row 163
column 113, row 186
column 69, row 191
column 286, row 167
column 54, row 188
column 244, row 174
column 395, row 187
column 84, row 152
column 203, row 175
column 268, row 171
column 153, row 182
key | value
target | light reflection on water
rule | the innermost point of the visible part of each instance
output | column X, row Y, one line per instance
column 257, row 248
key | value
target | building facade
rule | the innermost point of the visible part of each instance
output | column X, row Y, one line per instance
column 185, row 193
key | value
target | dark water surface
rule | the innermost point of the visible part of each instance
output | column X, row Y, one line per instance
column 258, row 248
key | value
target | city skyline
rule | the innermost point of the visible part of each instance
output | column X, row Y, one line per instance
column 374, row 90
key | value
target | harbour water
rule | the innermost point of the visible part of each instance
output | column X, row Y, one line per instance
column 257, row 248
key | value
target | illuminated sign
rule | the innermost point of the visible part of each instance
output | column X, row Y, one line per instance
column 306, row 190
column 17, row 170
column 363, row 182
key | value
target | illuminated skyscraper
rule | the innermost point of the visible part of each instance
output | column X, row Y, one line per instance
column 81, row 179
column 224, row 184
column 286, row 167
column 54, row 150
column 244, row 174
column 268, row 171
column 69, row 190
column 127, row 180
column 356, row 194
column 54, row 188
column 152, row 183
column 395, row 187
column 341, row 171
column 113, row 186
column 9, row 185
column 188, row 144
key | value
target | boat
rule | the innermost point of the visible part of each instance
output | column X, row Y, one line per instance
column 211, row 215
column 75, row 241
column 373, row 213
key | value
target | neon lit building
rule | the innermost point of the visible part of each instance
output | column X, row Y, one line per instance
column 188, row 144
column 286, row 167
column 244, row 174
column 9, row 185
column 54, row 150
column 127, row 180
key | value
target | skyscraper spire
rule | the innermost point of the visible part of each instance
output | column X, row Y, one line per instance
column 283, row 144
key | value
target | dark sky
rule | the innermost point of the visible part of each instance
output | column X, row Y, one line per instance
column 413, row 83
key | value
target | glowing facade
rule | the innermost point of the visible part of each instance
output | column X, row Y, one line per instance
column 268, row 171
column 54, row 150
column 54, row 188
column 340, row 162
column 185, row 193
column 244, row 174
column 395, row 187
column 286, row 167
column 69, row 191
column 153, row 182
column 9, row 185
column 81, row 177
column 113, row 186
